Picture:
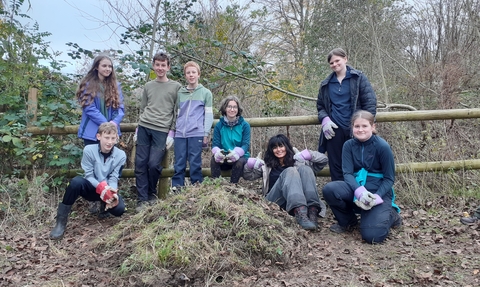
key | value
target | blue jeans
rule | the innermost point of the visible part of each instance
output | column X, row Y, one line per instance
column 295, row 187
column 188, row 149
column 79, row 186
column 375, row 223
column 148, row 158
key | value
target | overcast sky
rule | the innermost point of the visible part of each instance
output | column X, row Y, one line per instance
column 68, row 21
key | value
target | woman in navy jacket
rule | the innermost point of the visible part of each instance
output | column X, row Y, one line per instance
column 343, row 92
column 101, row 99
column 367, row 189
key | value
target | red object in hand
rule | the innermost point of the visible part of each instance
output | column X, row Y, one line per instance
column 101, row 186
column 106, row 192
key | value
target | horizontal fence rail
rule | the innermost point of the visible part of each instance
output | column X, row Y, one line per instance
column 301, row 120
column 440, row 166
column 433, row 166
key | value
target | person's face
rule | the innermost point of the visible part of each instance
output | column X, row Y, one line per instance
column 338, row 64
column 232, row 109
column 104, row 69
column 191, row 74
column 280, row 151
column 161, row 68
column 362, row 129
column 107, row 141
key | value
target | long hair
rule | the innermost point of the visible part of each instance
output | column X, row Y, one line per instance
column 90, row 86
column 278, row 141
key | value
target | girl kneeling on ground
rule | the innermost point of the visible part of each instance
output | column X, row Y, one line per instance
column 367, row 188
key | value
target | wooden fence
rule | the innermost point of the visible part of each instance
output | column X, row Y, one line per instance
column 167, row 171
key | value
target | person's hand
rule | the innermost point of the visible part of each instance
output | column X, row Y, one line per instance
column 255, row 163
column 365, row 199
column 218, row 155
column 170, row 140
column 135, row 135
column 302, row 156
column 328, row 126
column 362, row 198
column 107, row 193
column 234, row 155
column 375, row 199
column 113, row 201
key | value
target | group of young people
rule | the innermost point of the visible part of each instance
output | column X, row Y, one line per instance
column 361, row 163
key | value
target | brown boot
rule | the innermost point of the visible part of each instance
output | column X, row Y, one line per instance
column 301, row 215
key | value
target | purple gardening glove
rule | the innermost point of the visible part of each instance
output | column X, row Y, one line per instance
column 361, row 198
column 365, row 199
column 234, row 154
column 375, row 199
column 302, row 156
column 218, row 154
column 255, row 163
column 327, row 127
column 170, row 140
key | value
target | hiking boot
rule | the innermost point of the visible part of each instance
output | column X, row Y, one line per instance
column 152, row 199
column 313, row 215
column 103, row 213
column 176, row 189
column 469, row 220
column 397, row 222
column 301, row 215
column 337, row 228
column 94, row 207
column 141, row 205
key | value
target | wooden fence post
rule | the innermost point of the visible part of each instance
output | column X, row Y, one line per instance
column 163, row 186
column 32, row 106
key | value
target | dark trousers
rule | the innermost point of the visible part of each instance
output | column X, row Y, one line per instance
column 188, row 149
column 334, row 152
column 79, row 186
column 149, row 154
column 236, row 167
column 375, row 223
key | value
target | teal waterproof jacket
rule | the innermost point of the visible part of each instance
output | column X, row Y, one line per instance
column 228, row 138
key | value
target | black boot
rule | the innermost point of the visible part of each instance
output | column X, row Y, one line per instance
column 62, row 218
column 103, row 213
column 313, row 215
column 302, row 218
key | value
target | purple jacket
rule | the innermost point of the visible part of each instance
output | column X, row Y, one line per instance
column 92, row 117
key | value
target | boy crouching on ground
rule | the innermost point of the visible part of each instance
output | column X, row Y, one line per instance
column 101, row 164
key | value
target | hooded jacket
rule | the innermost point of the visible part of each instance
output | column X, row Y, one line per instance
column 227, row 138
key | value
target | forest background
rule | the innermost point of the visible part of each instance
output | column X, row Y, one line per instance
column 270, row 53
